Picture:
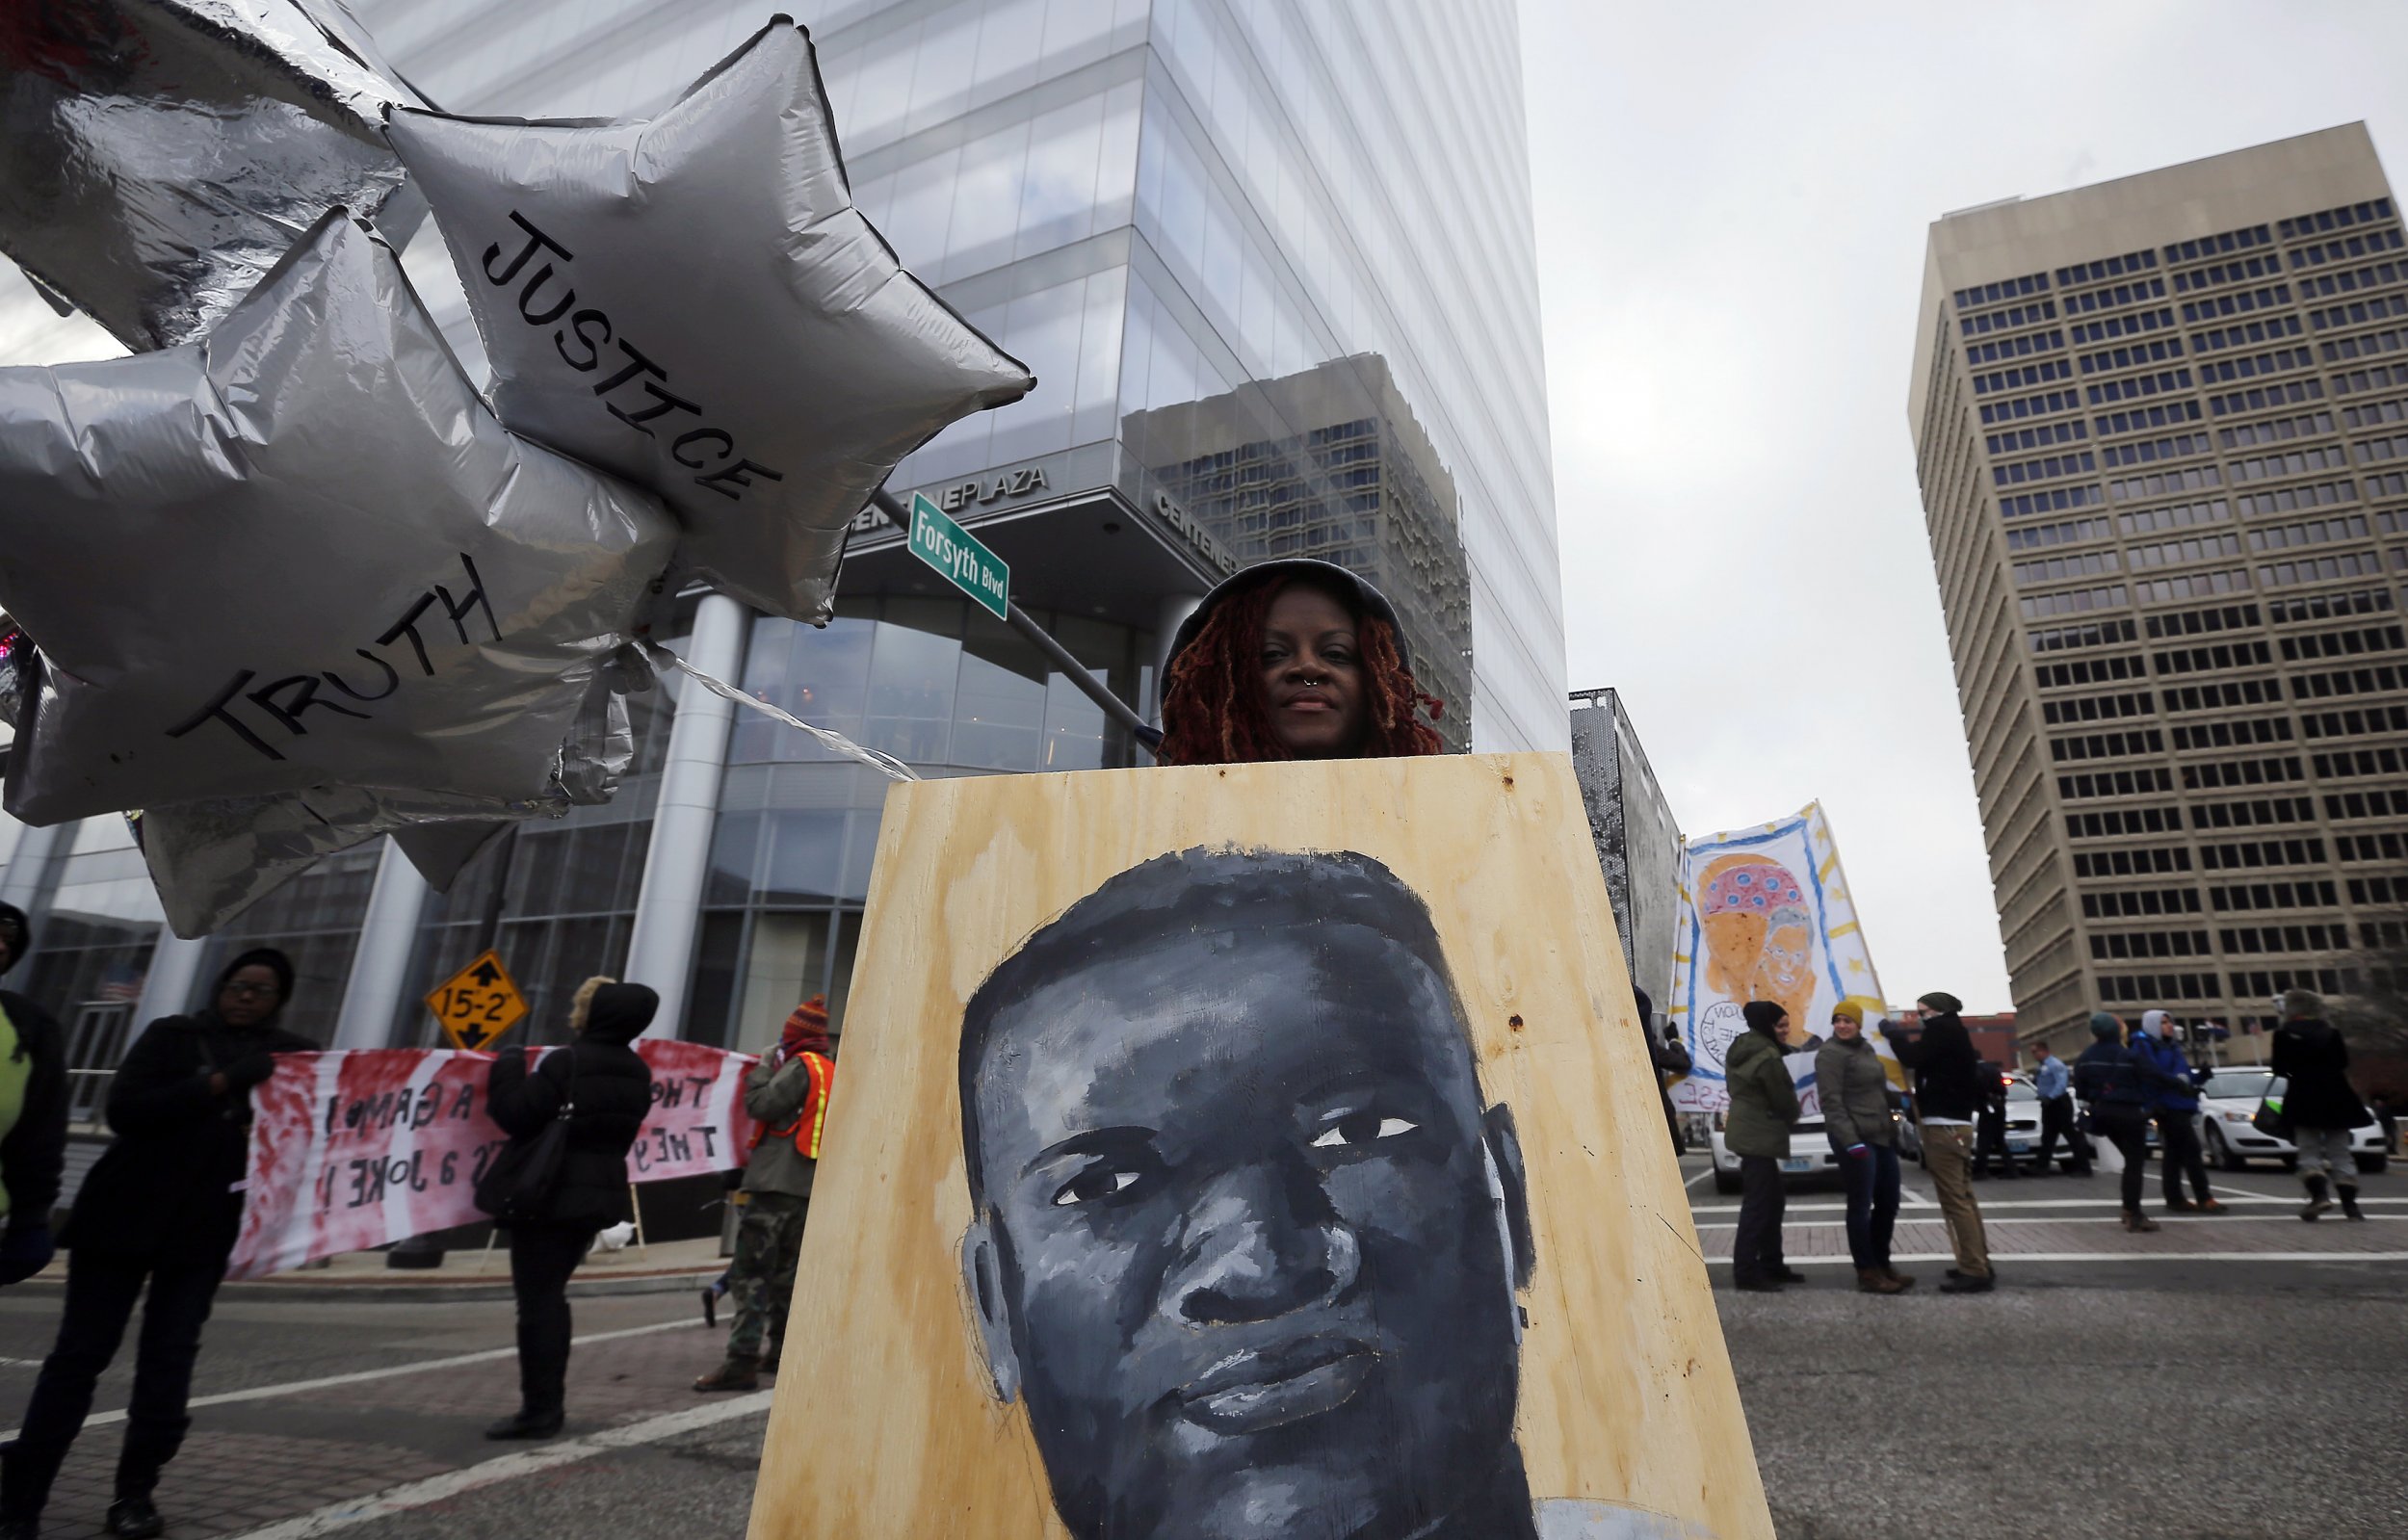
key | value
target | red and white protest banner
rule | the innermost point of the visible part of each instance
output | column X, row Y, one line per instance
column 359, row 1149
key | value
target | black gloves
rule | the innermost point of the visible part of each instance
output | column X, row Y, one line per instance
column 25, row 1250
column 248, row 1071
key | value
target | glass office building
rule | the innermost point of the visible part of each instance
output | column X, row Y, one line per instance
column 1272, row 263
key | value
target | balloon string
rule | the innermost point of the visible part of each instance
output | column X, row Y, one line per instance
column 886, row 764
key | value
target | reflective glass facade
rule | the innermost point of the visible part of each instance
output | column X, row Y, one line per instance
column 1270, row 261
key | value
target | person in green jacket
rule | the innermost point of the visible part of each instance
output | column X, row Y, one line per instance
column 1763, row 1108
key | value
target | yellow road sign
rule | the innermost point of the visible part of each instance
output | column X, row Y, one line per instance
column 478, row 1003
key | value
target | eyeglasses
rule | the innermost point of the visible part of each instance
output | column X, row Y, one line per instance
column 263, row 991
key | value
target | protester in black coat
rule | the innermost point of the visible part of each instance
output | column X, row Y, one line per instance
column 608, row 1090
column 2115, row 1084
column 2319, row 1102
column 33, row 1145
column 1668, row 1058
column 161, row 1206
column 1949, row 1091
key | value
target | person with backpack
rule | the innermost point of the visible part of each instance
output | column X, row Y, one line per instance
column 2115, row 1089
column 2319, row 1102
column 2174, row 1099
column 598, row 1091
column 786, row 1095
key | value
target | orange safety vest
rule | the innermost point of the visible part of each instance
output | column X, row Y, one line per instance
column 812, row 1120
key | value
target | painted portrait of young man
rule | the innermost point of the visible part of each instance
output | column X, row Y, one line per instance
column 1245, row 1236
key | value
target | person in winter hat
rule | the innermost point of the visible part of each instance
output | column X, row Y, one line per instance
column 1949, row 1093
column 1293, row 659
column 2174, row 1100
column 1763, row 1108
column 2321, row 1107
column 160, row 1208
column 1855, row 1091
column 786, row 1095
column 2111, row 1081
column 606, row 1088
column 32, row 1113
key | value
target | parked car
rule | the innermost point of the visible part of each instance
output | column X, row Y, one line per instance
column 1809, row 1154
column 2228, row 1103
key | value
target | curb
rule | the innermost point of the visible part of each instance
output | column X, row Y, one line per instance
column 381, row 1293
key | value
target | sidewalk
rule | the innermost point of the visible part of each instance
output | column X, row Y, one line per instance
column 664, row 1266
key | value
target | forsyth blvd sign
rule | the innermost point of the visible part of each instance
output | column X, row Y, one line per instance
column 965, row 562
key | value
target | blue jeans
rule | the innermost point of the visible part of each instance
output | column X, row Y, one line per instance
column 1872, row 1180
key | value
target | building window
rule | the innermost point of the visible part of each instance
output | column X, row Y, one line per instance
column 2276, row 430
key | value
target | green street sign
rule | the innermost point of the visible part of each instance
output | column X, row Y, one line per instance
column 957, row 553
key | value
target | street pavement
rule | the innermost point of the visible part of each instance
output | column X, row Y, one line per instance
column 2237, row 1378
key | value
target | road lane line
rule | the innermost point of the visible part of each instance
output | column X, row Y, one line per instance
column 1990, row 1219
column 2107, row 1200
column 263, row 1393
column 2006, row 1257
column 343, row 1514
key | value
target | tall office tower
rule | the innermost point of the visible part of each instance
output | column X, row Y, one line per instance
column 2159, row 425
column 1306, row 221
column 1345, row 475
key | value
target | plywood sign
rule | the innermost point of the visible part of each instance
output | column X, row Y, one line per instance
column 1265, row 1151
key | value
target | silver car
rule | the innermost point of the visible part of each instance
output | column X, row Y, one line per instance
column 2228, row 1104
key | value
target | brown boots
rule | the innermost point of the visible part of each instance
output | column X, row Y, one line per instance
column 2137, row 1222
column 736, row 1374
column 1881, row 1281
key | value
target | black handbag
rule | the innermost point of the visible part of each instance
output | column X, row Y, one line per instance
column 2271, row 1120
column 517, row 1187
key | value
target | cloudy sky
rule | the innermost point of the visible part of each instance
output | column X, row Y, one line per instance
column 1731, row 205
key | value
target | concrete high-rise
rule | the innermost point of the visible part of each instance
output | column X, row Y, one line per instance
column 2161, row 426
column 1289, row 241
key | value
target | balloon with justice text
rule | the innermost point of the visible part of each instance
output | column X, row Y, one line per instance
column 693, row 303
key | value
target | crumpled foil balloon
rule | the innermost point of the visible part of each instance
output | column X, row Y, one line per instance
column 158, row 156
column 302, row 554
column 213, row 859
column 693, row 303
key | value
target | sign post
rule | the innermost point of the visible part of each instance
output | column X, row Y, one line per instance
column 477, row 1005
column 957, row 554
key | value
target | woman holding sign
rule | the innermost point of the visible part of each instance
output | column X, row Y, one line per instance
column 598, row 1091
column 1293, row 659
column 160, row 1208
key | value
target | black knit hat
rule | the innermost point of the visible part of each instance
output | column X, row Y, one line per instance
column 267, row 958
column 1940, row 999
column 1367, row 599
column 1763, row 1016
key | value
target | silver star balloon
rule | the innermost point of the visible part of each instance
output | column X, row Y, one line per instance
column 213, row 859
column 300, row 554
column 159, row 155
column 693, row 303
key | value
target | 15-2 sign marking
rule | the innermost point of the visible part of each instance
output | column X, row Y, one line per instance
column 479, row 1003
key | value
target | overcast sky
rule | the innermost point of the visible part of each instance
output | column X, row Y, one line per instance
column 1731, row 206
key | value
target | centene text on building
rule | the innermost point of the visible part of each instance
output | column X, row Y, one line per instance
column 955, row 552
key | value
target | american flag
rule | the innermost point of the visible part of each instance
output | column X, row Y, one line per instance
column 121, row 982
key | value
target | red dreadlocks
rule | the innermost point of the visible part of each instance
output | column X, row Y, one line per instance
column 1212, row 702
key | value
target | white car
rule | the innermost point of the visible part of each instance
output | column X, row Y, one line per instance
column 2228, row 1103
column 1809, row 1154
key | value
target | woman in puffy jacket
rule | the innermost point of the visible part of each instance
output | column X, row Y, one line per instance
column 608, row 1090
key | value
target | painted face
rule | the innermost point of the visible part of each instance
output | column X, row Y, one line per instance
column 1311, row 674
column 1256, row 1238
column 250, row 996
